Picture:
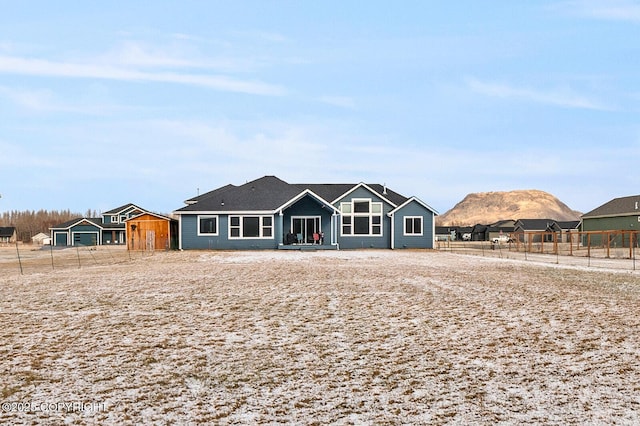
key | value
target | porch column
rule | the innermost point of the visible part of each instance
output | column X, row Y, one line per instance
column 334, row 229
column 281, row 220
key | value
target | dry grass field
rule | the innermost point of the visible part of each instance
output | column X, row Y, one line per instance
column 347, row 337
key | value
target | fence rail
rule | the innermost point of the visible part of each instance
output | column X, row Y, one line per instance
column 598, row 249
column 28, row 259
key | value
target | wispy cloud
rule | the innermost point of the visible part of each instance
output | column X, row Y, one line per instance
column 565, row 98
column 616, row 10
column 340, row 101
column 40, row 67
column 45, row 100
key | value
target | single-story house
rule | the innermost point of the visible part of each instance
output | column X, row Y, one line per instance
column 535, row 229
column 619, row 214
column 151, row 231
column 500, row 229
column 8, row 235
column 41, row 239
column 479, row 232
column 269, row 213
column 447, row 233
column 569, row 230
column 110, row 228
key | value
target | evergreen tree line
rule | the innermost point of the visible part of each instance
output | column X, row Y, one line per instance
column 30, row 222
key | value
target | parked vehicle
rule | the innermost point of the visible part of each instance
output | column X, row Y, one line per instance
column 502, row 239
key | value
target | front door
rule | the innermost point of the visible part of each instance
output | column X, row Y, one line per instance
column 304, row 227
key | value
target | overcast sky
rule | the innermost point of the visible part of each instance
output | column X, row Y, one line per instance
column 105, row 103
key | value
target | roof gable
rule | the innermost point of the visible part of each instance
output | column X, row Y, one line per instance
column 383, row 196
column 263, row 194
column 536, row 224
column 623, row 206
column 125, row 208
column 94, row 221
column 418, row 201
column 159, row 216
column 270, row 194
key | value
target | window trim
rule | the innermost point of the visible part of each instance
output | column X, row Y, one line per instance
column 261, row 225
column 208, row 216
column 370, row 215
column 413, row 218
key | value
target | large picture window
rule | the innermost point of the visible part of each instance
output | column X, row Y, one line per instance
column 207, row 225
column 361, row 217
column 413, row 225
column 250, row 227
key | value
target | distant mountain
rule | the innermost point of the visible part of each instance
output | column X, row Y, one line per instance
column 491, row 207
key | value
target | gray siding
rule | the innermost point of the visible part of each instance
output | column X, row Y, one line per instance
column 409, row 241
column 191, row 239
column 308, row 206
column 359, row 241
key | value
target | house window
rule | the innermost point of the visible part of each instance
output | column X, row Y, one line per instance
column 413, row 225
column 114, row 219
column 361, row 217
column 250, row 227
column 207, row 225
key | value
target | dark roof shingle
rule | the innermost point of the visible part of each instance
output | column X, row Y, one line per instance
column 623, row 206
column 269, row 192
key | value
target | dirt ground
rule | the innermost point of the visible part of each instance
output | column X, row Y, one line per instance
column 343, row 337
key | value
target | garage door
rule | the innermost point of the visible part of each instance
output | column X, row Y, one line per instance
column 85, row 238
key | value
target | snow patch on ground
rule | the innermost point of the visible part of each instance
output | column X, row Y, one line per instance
column 348, row 337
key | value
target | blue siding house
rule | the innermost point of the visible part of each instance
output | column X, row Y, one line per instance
column 269, row 213
column 108, row 229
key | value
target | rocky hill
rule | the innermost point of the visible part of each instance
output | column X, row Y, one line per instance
column 490, row 207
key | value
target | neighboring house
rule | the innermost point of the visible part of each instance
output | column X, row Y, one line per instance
column 500, row 229
column 8, row 235
column 151, row 231
column 447, row 233
column 41, row 239
column 569, row 230
column 619, row 214
column 108, row 229
column 534, row 230
column 479, row 232
column 269, row 213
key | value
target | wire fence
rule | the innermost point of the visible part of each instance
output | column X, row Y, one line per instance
column 593, row 249
column 27, row 259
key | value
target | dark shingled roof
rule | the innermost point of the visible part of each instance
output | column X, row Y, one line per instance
column 623, row 206
column 94, row 220
column 121, row 208
column 536, row 224
column 568, row 224
column 7, row 231
column 268, row 193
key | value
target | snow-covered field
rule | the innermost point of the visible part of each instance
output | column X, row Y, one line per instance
column 348, row 337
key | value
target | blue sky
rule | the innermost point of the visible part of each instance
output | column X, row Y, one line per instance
column 105, row 103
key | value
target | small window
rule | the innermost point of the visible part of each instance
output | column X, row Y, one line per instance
column 413, row 225
column 251, row 227
column 361, row 225
column 207, row 225
column 361, row 206
column 345, row 207
column 267, row 226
